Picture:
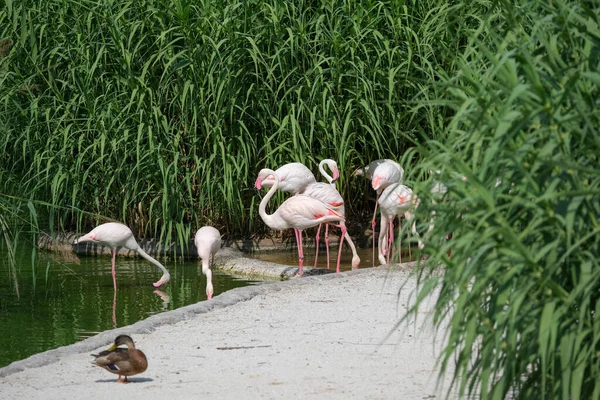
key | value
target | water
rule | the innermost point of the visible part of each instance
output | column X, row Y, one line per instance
column 63, row 300
column 290, row 257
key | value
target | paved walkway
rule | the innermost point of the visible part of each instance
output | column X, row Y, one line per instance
column 322, row 337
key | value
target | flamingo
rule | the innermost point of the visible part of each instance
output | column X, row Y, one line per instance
column 293, row 178
column 208, row 243
column 328, row 194
column 369, row 169
column 298, row 212
column 382, row 173
column 296, row 178
column 115, row 235
column 395, row 200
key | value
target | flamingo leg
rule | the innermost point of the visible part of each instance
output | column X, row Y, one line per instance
column 339, row 258
column 382, row 240
column 373, row 228
column 390, row 240
column 300, row 250
column 327, row 243
column 400, row 240
column 114, row 275
column 114, row 309
column 317, row 244
column 409, row 240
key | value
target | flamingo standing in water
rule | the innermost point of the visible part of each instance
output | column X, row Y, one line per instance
column 296, row 178
column 298, row 212
column 208, row 243
column 115, row 235
column 382, row 173
column 328, row 194
column 395, row 200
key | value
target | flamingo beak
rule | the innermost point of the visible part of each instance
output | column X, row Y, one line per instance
column 164, row 279
column 336, row 175
column 376, row 183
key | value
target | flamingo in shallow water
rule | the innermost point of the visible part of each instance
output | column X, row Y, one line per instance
column 298, row 212
column 328, row 194
column 115, row 235
column 208, row 243
column 382, row 173
column 395, row 200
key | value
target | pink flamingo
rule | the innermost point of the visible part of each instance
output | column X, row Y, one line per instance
column 293, row 178
column 395, row 200
column 208, row 243
column 298, row 212
column 115, row 235
column 367, row 171
column 296, row 178
column 382, row 173
column 328, row 194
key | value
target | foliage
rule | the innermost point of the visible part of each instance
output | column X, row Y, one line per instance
column 520, row 281
column 160, row 113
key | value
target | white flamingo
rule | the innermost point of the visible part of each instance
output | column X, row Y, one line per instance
column 293, row 178
column 208, row 243
column 382, row 174
column 298, row 212
column 395, row 200
column 328, row 194
column 115, row 235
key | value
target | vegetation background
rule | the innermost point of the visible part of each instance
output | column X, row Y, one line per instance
column 160, row 113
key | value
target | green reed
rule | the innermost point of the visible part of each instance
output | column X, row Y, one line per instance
column 520, row 283
column 160, row 113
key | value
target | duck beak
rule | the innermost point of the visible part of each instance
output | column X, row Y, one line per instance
column 113, row 347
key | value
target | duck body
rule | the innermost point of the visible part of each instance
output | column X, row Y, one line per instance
column 122, row 361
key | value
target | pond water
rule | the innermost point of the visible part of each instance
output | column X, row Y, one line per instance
column 62, row 299
column 290, row 257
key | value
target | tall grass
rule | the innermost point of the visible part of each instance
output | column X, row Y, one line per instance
column 160, row 113
column 521, row 272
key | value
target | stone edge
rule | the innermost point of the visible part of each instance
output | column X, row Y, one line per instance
column 149, row 324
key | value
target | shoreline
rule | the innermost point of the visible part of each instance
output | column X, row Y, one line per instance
column 148, row 325
column 330, row 336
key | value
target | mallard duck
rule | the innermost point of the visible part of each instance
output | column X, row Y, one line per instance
column 120, row 361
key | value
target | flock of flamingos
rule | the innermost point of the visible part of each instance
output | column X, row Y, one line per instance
column 312, row 204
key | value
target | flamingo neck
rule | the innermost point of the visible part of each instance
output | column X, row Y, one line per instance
column 209, row 285
column 269, row 219
column 85, row 238
column 205, row 265
column 165, row 277
column 326, row 175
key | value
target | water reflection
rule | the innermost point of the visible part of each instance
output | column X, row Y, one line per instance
column 62, row 302
column 290, row 257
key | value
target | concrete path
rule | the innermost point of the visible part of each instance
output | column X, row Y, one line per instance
column 322, row 337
